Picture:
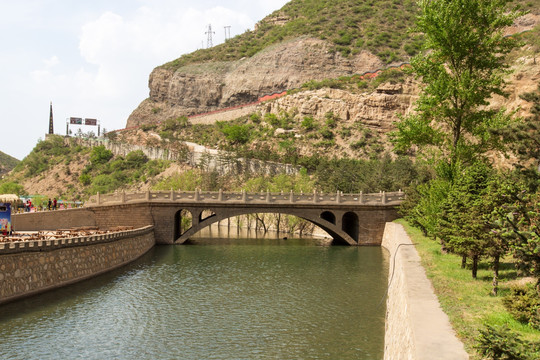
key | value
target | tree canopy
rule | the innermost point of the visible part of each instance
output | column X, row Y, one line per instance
column 461, row 67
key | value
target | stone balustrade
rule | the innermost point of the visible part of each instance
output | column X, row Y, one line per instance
column 382, row 198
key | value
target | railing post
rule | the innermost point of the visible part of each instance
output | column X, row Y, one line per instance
column 220, row 195
column 147, row 195
column 315, row 196
column 383, row 197
column 244, row 195
column 172, row 195
column 291, row 197
column 268, row 195
column 123, row 197
column 98, row 198
column 338, row 197
column 197, row 194
column 361, row 197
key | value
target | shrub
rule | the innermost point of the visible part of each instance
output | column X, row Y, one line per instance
column 308, row 123
column 524, row 305
column 500, row 343
column 236, row 134
column 100, row 155
column 136, row 159
column 326, row 133
column 85, row 179
column 12, row 187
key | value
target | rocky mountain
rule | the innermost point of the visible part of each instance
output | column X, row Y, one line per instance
column 307, row 40
column 204, row 87
column 7, row 163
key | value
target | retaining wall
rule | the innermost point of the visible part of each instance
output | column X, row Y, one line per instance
column 416, row 326
column 53, row 220
column 31, row 267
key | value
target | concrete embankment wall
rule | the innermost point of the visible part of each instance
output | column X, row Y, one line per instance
column 31, row 267
column 416, row 326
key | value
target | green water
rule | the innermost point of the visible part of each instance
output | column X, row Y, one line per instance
column 219, row 299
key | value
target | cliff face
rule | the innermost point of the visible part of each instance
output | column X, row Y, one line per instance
column 376, row 110
column 211, row 86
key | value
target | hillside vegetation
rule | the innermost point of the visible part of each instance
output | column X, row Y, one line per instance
column 7, row 163
column 379, row 26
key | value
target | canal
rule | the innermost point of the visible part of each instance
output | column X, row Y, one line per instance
column 225, row 298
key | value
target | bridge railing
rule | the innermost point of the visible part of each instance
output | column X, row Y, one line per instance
column 212, row 197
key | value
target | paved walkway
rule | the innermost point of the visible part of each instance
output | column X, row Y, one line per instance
column 430, row 334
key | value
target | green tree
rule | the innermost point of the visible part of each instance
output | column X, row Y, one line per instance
column 12, row 187
column 462, row 67
column 462, row 227
column 236, row 134
column 100, row 155
column 519, row 221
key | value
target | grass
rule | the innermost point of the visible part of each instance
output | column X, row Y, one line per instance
column 379, row 26
column 467, row 301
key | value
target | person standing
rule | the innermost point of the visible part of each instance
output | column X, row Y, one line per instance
column 49, row 204
column 54, row 204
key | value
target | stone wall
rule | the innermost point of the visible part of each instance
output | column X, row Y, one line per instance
column 31, row 267
column 416, row 326
column 196, row 156
column 104, row 218
column 53, row 220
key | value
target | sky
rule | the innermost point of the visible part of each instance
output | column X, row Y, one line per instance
column 92, row 58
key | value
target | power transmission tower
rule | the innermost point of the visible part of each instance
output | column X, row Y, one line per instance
column 209, row 38
column 227, row 32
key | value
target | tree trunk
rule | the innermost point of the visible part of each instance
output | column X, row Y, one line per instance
column 261, row 221
column 463, row 261
column 496, row 261
column 474, row 266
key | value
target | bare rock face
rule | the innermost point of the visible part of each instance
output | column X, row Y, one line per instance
column 377, row 110
column 205, row 87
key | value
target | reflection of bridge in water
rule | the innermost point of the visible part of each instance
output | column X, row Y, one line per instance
column 353, row 219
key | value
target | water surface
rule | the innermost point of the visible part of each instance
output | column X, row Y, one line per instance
column 219, row 299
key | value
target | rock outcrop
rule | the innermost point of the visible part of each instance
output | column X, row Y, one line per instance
column 377, row 110
column 200, row 88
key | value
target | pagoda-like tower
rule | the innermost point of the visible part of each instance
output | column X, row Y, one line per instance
column 51, row 128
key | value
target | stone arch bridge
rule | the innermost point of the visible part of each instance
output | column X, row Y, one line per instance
column 351, row 219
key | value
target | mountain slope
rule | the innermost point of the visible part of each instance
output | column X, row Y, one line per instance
column 305, row 40
column 7, row 163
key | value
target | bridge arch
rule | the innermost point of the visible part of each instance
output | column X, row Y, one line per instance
column 183, row 221
column 329, row 216
column 351, row 224
column 340, row 237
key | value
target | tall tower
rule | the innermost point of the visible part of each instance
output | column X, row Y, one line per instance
column 51, row 128
column 209, row 37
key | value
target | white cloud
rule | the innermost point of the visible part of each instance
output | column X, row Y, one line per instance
column 93, row 59
column 51, row 62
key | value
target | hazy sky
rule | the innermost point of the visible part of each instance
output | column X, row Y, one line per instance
column 92, row 58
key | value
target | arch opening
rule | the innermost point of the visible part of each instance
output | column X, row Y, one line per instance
column 351, row 225
column 329, row 216
column 206, row 214
column 329, row 226
column 183, row 222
